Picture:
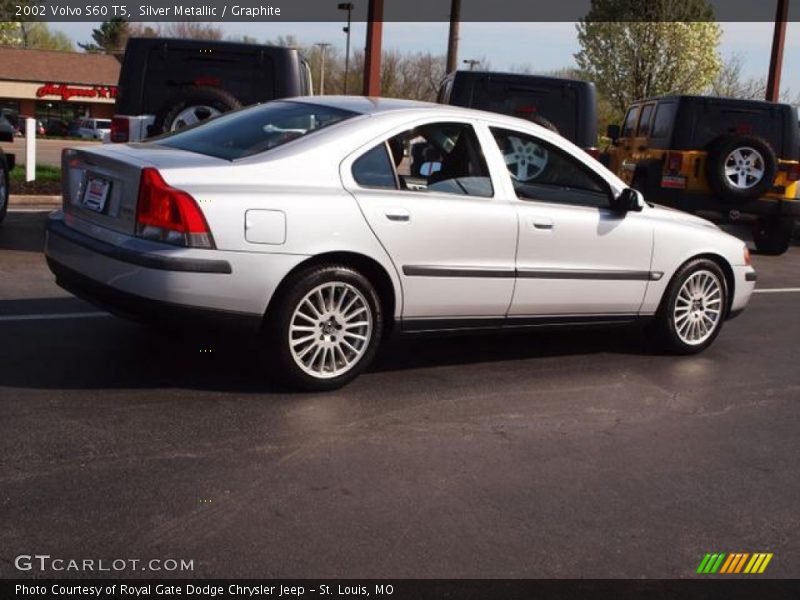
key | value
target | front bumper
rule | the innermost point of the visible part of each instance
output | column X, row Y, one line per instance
column 744, row 283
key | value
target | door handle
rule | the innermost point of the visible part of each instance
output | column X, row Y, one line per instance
column 397, row 214
column 542, row 223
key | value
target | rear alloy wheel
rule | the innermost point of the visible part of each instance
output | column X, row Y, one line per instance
column 773, row 236
column 325, row 329
column 4, row 187
column 693, row 308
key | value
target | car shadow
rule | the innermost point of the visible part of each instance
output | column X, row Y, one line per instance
column 23, row 231
column 94, row 351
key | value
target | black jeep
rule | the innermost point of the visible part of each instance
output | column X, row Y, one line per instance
column 566, row 106
column 166, row 84
column 727, row 158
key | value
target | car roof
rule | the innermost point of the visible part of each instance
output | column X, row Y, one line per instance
column 368, row 105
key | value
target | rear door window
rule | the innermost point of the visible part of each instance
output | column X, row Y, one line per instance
column 662, row 124
column 374, row 169
column 631, row 120
column 644, row 121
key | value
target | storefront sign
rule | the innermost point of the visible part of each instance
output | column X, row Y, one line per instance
column 65, row 92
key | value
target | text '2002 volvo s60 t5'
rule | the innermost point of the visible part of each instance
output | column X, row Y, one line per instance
column 310, row 221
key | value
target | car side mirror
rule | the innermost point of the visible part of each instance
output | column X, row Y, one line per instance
column 612, row 132
column 629, row 200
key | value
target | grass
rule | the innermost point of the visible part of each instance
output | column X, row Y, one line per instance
column 43, row 173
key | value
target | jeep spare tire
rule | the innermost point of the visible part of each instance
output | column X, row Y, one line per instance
column 546, row 123
column 192, row 105
column 741, row 167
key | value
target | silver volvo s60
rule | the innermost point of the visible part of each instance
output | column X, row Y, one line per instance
column 324, row 223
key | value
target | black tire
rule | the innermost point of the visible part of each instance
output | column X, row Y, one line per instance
column 773, row 236
column 277, row 331
column 5, row 190
column 546, row 123
column 663, row 331
column 186, row 97
column 718, row 154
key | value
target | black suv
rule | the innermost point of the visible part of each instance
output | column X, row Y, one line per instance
column 166, row 84
column 6, row 164
column 566, row 106
column 732, row 159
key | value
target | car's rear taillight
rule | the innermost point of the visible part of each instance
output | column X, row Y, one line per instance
column 120, row 129
column 747, row 260
column 166, row 214
column 793, row 172
column 674, row 161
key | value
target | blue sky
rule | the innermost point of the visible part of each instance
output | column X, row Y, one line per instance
column 543, row 46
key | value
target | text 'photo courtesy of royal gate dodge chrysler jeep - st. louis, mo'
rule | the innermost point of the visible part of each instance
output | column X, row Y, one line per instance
column 325, row 224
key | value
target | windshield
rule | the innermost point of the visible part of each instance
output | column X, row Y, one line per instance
column 104, row 124
column 253, row 130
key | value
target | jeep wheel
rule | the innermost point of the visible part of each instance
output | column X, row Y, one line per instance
column 192, row 105
column 773, row 236
column 4, row 187
column 741, row 167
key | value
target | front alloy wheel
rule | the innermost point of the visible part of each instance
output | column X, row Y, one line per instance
column 698, row 308
column 693, row 308
column 324, row 328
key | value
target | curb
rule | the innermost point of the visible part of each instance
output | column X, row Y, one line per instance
column 17, row 201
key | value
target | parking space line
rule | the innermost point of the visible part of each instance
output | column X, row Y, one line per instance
column 777, row 290
column 44, row 316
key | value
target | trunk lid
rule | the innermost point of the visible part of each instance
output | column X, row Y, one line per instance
column 101, row 185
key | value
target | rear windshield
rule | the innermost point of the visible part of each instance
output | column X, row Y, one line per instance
column 253, row 130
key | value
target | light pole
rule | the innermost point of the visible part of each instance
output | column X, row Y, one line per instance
column 348, row 6
column 471, row 62
column 323, row 46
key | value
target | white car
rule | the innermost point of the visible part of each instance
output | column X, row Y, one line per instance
column 94, row 129
column 300, row 219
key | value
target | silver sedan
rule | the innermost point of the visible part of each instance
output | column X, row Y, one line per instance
column 325, row 223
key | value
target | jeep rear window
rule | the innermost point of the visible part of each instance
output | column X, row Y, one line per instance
column 556, row 103
column 253, row 130
column 630, row 122
column 713, row 121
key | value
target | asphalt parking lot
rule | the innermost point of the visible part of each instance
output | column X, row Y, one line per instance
column 48, row 151
column 560, row 454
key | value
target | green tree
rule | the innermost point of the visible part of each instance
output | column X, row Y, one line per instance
column 109, row 38
column 634, row 49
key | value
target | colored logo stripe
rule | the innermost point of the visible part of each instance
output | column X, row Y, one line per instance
column 734, row 563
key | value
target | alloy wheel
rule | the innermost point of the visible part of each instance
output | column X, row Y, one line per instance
column 744, row 168
column 698, row 307
column 330, row 329
column 193, row 114
column 526, row 161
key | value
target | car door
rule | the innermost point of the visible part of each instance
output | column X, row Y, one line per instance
column 451, row 238
column 576, row 258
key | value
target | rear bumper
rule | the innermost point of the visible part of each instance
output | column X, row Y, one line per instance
column 139, row 308
column 148, row 281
